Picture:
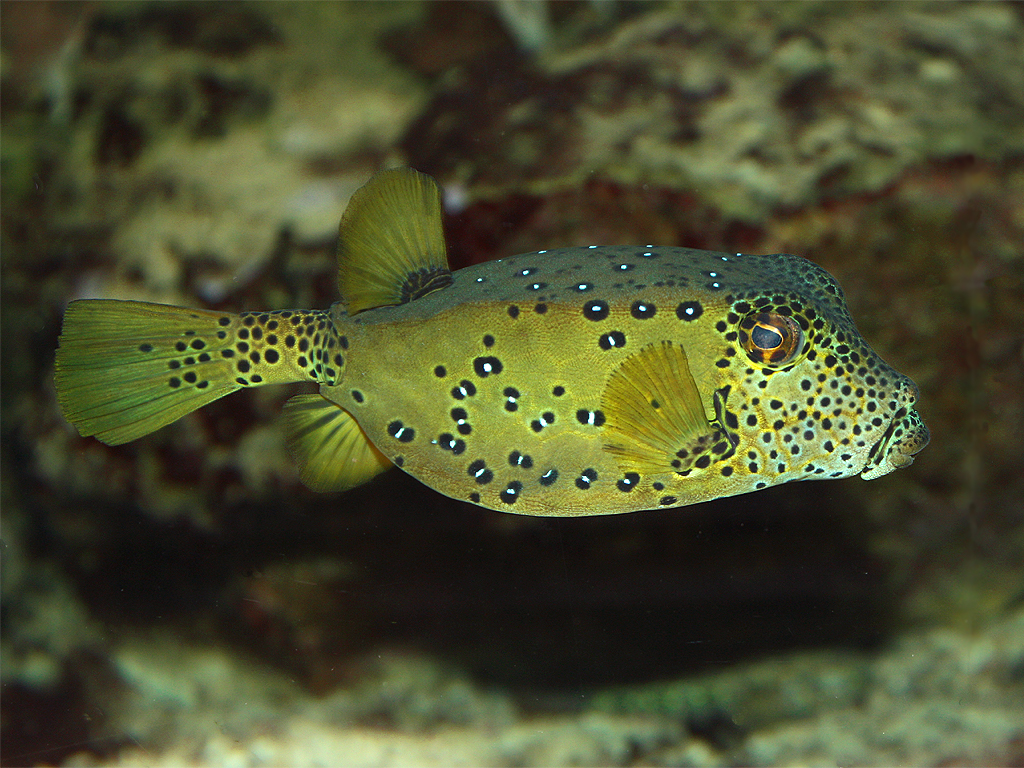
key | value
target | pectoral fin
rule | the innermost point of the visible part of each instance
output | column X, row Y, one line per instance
column 656, row 421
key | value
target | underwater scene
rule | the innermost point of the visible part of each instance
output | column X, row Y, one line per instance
column 547, row 310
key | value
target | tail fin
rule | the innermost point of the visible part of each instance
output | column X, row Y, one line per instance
column 126, row 368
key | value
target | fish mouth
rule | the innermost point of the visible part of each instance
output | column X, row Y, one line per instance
column 906, row 436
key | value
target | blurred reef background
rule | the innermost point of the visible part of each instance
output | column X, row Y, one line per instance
column 185, row 600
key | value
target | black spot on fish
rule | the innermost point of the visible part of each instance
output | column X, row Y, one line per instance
column 628, row 482
column 478, row 470
column 400, row 432
column 517, row 459
column 689, row 311
column 465, row 389
column 449, row 442
column 613, row 340
column 511, row 492
column 586, row 477
column 511, row 393
column 487, row 366
column 642, row 310
column 595, row 310
column 461, row 419
column 590, row 418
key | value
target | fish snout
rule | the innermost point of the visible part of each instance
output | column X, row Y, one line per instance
column 905, row 437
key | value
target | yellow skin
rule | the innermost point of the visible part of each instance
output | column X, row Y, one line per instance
column 580, row 381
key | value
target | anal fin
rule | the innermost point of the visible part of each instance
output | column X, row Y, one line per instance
column 391, row 246
column 331, row 450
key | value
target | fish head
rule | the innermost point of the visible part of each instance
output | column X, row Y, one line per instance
column 809, row 396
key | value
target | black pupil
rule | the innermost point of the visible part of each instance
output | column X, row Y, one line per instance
column 765, row 338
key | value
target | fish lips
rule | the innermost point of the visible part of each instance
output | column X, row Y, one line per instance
column 905, row 436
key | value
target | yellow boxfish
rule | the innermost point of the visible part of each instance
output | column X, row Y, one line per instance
column 577, row 381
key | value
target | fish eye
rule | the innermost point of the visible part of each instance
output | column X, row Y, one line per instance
column 769, row 338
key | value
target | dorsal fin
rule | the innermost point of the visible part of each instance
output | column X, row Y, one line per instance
column 655, row 418
column 391, row 246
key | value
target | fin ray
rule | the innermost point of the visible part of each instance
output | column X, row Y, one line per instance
column 127, row 368
column 653, row 408
column 112, row 372
column 331, row 450
column 391, row 247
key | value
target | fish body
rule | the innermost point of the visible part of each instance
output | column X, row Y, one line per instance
column 576, row 381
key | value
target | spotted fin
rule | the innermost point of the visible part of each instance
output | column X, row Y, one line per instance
column 654, row 411
column 331, row 450
column 126, row 368
column 391, row 246
column 112, row 373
